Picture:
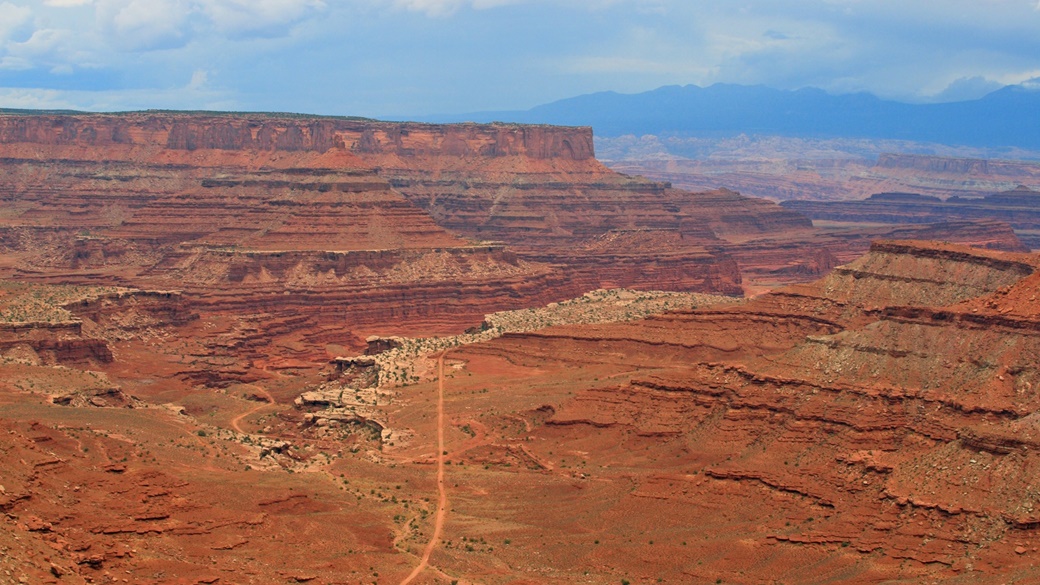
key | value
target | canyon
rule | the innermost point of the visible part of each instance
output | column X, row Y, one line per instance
column 784, row 169
column 1016, row 207
column 259, row 348
column 845, row 182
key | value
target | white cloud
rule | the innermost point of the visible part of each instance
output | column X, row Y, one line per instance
column 447, row 7
column 198, row 80
column 11, row 63
column 684, row 70
column 13, row 20
column 34, row 99
column 257, row 17
column 431, row 7
column 67, row 3
column 47, row 47
column 967, row 88
column 143, row 25
column 377, row 55
column 134, row 40
column 1028, row 78
column 194, row 95
column 652, row 7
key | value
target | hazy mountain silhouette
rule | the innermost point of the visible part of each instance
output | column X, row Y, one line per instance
column 1009, row 116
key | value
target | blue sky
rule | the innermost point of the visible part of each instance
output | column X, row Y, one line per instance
column 417, row 57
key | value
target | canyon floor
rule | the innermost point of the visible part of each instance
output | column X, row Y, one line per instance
column 260, row 349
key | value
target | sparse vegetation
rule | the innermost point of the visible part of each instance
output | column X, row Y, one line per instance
column 408, row 363
column 27, row 303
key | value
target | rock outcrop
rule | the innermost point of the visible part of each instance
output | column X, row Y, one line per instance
column 274, row 133
column 131, row 195
column 77, row 326
column 563, row 214
column 313, row 233
column 884, row 416
column 972, row 167
column 277, row 218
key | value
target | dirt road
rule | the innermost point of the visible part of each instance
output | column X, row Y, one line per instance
column 236, row 422
column 442, row 495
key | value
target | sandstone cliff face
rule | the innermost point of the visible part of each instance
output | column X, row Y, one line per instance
column 561, row 213
column 940, row 164
column 386, row 227
column 272, row 213
column 543, row 209
column 162, row 205
column 473, row 140
column 261, row 132
column 140, row 193
column 275, row 228
column 894, row 273
column 540, row 210
column 80, row 332
column 132, row 189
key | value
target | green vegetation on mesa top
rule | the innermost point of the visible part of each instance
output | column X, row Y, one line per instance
column 212, row 113
column 29, row 303
column 25, row 112
column 274, row 116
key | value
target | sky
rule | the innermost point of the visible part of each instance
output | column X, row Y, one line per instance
column 400, row 58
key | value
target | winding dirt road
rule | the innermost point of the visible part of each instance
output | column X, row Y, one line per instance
column 237, row 421
column 442, row 495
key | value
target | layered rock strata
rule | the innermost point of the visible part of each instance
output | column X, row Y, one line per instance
column 1019, row 207
column 38, row 327
column 137, row 188
column 271, row 222
column 312, row 233
column 771, row 171
column 883, row 415
column 605, row 228
column 139, row 194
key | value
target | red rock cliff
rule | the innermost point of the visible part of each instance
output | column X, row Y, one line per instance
column 260, row 132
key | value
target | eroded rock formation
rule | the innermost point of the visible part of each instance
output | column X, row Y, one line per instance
column 880, row 421
column 780, row 172
column 1018, row 207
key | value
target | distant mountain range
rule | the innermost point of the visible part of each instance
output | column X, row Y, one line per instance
column 1007, row 117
